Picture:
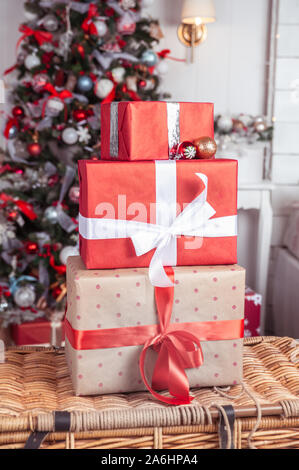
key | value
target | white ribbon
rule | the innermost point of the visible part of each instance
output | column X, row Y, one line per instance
column 194, row 220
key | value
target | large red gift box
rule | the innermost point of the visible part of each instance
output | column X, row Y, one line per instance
column 252, row 314
column 158, row 213
column 149, row 130
column 38, row 332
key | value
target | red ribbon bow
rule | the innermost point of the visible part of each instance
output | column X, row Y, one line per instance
column 40, row 36
column 63, row 95
column 177, row 350
column 23, row 206
column 87, row 24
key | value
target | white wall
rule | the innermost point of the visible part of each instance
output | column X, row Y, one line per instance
column 230, row 66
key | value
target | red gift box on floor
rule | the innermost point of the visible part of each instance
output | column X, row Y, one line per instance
column 38, row 332
column 149, row 130
column 158, row 213
column 252, row 314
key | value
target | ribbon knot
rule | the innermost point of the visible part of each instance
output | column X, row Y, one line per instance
column 177, row 350
column 62, row 95
column 40, row 36
column 88, row 25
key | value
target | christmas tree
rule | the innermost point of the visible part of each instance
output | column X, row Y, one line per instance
column 71, row 57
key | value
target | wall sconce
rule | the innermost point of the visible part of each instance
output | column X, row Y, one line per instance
column 195, row 14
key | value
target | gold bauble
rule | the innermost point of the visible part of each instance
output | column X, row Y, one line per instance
column 205, row 147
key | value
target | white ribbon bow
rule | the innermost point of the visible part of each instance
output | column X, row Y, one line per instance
column 194, row 220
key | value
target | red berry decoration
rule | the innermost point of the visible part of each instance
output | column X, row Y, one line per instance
column 18, row 112
column 34, row 149
column 31, row 248
column 79, row 115
column 186, row 151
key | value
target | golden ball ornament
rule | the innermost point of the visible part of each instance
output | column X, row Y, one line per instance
column 206, row 147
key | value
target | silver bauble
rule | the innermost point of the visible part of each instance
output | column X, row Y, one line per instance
column 51, row 215
column 32, row 61
column 54, row 107
column 84, row 84
column 66, row 252
column 13, row 132
column 103, row 87
column 225, row 123
column 50, row 23
column 118, row 74
column 101, row 27
column 69, row 136
column 149, row 58
column 24, row 296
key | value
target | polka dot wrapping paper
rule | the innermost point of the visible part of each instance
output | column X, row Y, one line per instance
column 118, row 298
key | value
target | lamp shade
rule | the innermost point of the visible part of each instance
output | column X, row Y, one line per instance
column 198, row 11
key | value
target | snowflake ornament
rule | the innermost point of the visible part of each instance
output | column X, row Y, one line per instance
column 83, row 135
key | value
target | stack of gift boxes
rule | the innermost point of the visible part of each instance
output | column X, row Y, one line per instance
column 155, row 301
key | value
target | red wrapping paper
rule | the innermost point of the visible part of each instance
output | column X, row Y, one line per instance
column 105, row 181
column 38, row 331
column 143, row 130
column 252, row 314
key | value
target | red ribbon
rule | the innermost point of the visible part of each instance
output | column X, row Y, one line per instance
column 63, row 95
column 164, row 54
column 25, row 207
column 87, row 24
column 178, row 345
column 40, row 36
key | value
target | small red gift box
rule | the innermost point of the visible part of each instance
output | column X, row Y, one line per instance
column 158, row 213
column 252, row 314
column 38, row 332
column 149, row 130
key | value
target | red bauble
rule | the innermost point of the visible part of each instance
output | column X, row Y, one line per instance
column 186, row 151
column 12, row 215
column 31, row 248
column 18, row 112
column 34, row 149
column 142, row 84
column 79, row 115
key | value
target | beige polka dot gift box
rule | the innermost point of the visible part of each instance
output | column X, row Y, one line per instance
column 125, row 335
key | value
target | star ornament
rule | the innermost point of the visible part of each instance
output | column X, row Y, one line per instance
column 83, row 135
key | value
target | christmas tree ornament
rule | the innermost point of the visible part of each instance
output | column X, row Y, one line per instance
column 118, row 73
column 39, row 81
column 259, row 124
column 101, row 28
column 24, row 296
column 32, row 61
column 18, row 112
column 224, row 124
column 127, row 4
column 31, row 248
column 69, row 136
column 54, row 106
column 30, row 15
column 185, row 151
column 205, row 147
column 66, row 252
column 74, row 194
column 83, row 135
column 246, row 119
column 47, row 47
column 238, row 125
column 162, row 67
column 79, row 115
column 7, row 230
column 149, row 58
column 155, row 31
column 103, row 87
column 34, row 149
column 141, row 84
column 126, row 24
column 51, row 215
column 84, row 84
column 50, row 23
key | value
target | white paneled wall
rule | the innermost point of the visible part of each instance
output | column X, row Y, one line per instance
column 285, row 159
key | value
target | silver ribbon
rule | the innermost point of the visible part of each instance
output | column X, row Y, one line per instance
column 114, row 130
column 173, row 126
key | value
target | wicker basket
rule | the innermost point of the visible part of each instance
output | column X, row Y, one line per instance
column 35, row 392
